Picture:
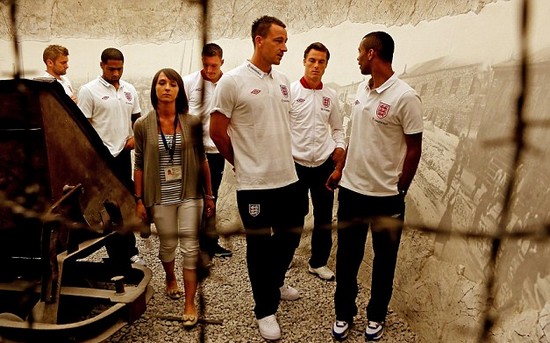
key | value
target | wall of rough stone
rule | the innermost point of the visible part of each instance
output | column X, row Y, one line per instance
column 145, row 21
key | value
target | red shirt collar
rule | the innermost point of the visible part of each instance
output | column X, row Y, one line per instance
column 306, row 85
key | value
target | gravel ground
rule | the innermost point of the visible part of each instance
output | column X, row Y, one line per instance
column 228, row 305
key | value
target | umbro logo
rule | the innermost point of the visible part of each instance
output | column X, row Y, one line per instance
column 106, row 97
column 300, row 100
column 255, row 91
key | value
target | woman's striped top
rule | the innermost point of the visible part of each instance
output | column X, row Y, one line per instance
column 170, row 191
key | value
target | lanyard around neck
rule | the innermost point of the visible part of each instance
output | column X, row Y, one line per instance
column 171, row 149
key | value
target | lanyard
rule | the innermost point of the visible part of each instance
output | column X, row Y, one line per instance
column 171, row 149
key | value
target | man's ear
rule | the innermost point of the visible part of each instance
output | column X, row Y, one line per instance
column 257, row 40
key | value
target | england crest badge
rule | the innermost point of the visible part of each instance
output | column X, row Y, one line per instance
column 284, row 90
column 326, row 101
column 382, row 110
column 254, row 209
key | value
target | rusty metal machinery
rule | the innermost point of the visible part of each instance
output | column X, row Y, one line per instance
column 60, row 202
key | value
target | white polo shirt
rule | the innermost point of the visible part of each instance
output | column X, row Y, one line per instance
column 381, row 118
column 110, row 111
column 315, row 123
column 67, row 86
column 195, row 85
column 258, row 106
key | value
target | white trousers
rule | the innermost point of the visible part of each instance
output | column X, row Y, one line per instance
column 179, row 223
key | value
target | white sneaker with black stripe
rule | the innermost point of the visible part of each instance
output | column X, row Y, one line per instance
column 138, row 260
column 374, row 331
column 340, row 330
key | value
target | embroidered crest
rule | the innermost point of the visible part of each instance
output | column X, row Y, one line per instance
column 255, row 91
column 326, row 101
column 382, row 110
column 284, row 90
column 254, row 209
column 128, row 96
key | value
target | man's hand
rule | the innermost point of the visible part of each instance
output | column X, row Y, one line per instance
column 209, row 207
column 141, row 212
column 129, row 144
column 333, row 180
column 339, row 159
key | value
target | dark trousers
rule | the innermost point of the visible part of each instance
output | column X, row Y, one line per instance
column 356, row 212
column 208, row 236
column 123, row 167
column 272, row 220
column 313, row 180
column 122, row 246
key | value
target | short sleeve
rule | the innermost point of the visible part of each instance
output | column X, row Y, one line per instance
column 225, row 96
column 86, row 102
column 411, row 110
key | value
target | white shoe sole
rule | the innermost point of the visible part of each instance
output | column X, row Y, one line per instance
column 311, row 271
column 269, row 337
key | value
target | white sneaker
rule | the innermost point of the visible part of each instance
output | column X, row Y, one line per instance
column 340, row 330
column 289, row 293
column 269, row 328
column 138, row 260
column 322, row 272
column 374, row 331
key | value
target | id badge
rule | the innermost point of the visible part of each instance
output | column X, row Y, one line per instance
column 172, row 173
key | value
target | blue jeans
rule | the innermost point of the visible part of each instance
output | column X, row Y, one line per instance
column 356, row 213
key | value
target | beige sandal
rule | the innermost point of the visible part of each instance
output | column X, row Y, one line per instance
column 190, row 320
column 174, row 293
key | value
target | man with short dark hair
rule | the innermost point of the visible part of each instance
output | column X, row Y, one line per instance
column 56, row 59
column 111, row 105
column 250, row 126
column 318, row 147
column 382, row 157
column 199, row 89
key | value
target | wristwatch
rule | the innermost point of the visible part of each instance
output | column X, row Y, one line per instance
column 138, row 197
column 208, row 196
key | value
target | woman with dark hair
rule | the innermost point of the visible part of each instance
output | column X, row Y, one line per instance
column 172, row 180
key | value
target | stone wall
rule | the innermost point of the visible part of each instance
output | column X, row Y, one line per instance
column 145, row 21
